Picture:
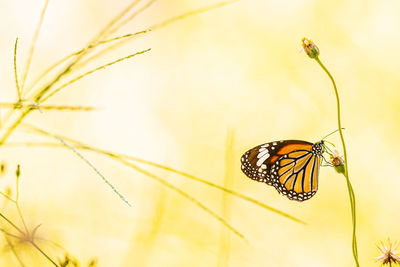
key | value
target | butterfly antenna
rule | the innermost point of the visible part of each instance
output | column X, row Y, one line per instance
column 330, row 144
column 331, row 134
column 324, row 159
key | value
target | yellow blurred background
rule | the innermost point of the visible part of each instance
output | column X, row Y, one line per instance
column 213, row 86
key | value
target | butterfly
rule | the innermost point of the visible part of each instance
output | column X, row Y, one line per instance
column 291, row 166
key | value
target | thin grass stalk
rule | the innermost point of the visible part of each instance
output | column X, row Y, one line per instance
column 11, row 129
column 9, row 113
column 11, row 223
column 33, row 45
column 159, row 26
column 192, row 13
column 158, row 179
column 38, row 97
column 47, row 107
column 346, row 174
column 61, row 61
column 121, row 23
column 181, row 192
column 186, row 175
column 13, row 250
column 44, row 254
column 91, row 165
column 40, row 94
column 80, row 145
column 90, row 72
column 95, row 39
column 16, row 72
column 105, row 31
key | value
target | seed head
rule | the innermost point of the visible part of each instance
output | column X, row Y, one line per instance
column 389, row 253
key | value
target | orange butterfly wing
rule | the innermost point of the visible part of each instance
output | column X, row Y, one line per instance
column 291, row 166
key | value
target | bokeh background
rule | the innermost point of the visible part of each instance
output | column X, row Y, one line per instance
column 213, row 86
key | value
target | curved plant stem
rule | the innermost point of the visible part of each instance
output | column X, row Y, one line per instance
column 346, row 173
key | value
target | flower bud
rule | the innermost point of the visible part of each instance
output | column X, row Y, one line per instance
column 337, row 162
column 18, row 171
column 310, row 48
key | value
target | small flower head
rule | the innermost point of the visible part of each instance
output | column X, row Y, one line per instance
column 389, row 253
column 310, row 48
column 337, row 162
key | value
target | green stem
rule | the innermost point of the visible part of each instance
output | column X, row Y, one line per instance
column 13, row 250
column 346, row 172
column 44, row 254
column 11, row 223
column 13, row 126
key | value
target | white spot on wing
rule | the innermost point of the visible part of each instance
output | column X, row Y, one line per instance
column 262, row 159
column 261, row 154
column 263, row 166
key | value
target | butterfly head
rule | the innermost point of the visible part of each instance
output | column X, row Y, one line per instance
column 318, row 148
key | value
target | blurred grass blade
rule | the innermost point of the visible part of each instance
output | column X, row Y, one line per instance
column 80, row 145
column 87, row 162
column 13, row 250
column 180, row 191
column 146, row 234
column 227, row 190
column 131, row 17
column 192, row 13
column 159, row 26
column 106, row 29
column 150, row 175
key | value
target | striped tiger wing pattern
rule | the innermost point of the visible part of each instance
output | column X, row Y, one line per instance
column 291, row 166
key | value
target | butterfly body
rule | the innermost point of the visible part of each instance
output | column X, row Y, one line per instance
column 291, row 166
